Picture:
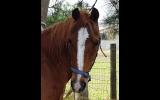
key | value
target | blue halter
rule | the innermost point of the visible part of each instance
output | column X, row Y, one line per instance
column 83, row 74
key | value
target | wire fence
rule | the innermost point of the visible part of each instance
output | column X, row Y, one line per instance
column 99, row 86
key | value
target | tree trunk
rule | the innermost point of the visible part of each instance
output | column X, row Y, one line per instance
column 44, row 9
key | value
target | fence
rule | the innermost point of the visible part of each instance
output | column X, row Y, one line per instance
column 99, row 88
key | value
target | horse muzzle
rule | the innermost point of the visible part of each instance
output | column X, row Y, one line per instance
column 78, row 86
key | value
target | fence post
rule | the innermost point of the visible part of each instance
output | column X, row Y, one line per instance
column 113, row 93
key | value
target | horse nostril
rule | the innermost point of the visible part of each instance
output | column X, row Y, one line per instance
column 83, row 85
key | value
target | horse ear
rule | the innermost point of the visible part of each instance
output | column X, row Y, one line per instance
column 75, row 14
column 94, row 15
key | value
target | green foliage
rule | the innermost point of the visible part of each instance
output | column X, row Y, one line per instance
column 61, row 11
column 53, row 19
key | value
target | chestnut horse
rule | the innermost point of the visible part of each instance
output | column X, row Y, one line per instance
column 68, row 51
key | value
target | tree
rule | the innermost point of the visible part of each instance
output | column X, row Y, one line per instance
column 61, row 10
column 81, row 5
column 44, row 9
column 113, row 20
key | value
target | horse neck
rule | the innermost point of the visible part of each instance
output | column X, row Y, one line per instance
column 53, row 45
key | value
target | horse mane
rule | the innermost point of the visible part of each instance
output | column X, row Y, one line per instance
column 53, row 41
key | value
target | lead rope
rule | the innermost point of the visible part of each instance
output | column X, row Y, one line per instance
column 102, row 51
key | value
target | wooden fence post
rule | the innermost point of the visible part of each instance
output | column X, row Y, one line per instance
column 113, row 93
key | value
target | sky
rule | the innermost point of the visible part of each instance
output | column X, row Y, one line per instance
column 100, row 5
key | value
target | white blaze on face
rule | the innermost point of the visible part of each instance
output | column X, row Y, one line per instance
column 82, row 37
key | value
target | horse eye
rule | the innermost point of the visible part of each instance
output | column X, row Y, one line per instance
column 97, row 43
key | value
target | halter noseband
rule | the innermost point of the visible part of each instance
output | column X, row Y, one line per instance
column 83, row 74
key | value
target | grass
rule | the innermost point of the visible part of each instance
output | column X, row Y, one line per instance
column 99, row 86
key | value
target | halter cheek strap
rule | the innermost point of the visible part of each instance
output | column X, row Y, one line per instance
column 83, row 74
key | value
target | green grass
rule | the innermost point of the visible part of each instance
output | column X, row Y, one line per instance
column 99, row 86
